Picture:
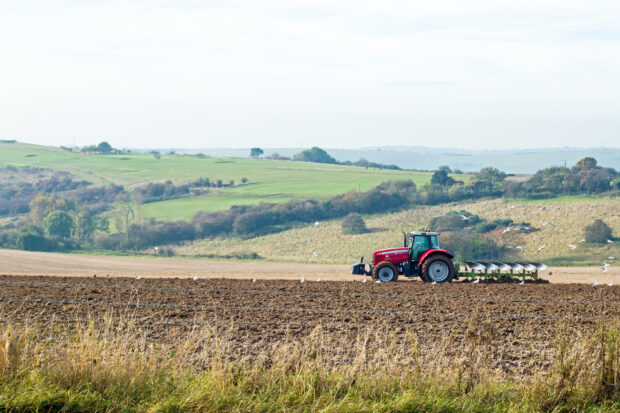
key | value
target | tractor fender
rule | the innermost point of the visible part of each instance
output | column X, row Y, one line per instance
column 435, row 251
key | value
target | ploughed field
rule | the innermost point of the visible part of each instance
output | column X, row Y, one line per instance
column 341, row 322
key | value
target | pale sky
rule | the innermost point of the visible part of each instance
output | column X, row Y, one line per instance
column 332, row 73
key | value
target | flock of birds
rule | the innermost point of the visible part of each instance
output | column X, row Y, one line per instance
column 542, row 247
column 365, row 280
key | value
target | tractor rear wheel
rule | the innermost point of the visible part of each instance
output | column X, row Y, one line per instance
column 437, row 268
column 385, row 272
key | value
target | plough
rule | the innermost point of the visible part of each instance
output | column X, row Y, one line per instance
column 500, row 270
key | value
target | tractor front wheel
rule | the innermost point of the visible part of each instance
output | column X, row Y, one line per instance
column 437, row 268
column 385, row 272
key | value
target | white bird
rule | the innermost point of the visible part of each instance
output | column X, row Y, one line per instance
column 477, row 280
column 195, row 278
column 378, row 281
column 506, row 230
column 542, row 247
column 303, row 279
column 464, row 217
column 139, row 277
column 364, row 280
column 573, row 246
column 610, row 284
column 609, row 241
column 605, row 265
column 318, row 279
column 512, row 206
column 254, row 280
column 543, row 223
column 611, row 258
column 316, row 254
column 519, row 247
column 596, row 283
column 522, row 282
column 317, row 223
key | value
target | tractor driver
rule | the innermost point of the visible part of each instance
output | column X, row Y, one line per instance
column 420, row 245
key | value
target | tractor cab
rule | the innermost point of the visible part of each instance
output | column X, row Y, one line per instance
column 420, row 242
column 420, row 256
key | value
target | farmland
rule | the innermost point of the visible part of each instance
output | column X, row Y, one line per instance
column 269, row 312
column 268, row 180
column 479, row 341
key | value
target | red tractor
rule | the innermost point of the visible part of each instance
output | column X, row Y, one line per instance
column 420, row 256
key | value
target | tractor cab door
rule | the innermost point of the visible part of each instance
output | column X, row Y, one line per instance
column 418, row 247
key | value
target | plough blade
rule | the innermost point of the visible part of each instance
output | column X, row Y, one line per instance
column 501, row 270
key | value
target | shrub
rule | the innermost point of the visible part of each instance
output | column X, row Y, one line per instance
column 469, row 246
column 315, row 154
column 165, row 252
column 441, row 177
column 353, row 224
column 31, row 238
column 58, row 223
column 598, row 232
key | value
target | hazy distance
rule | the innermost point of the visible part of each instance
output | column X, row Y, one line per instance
column 337, row 74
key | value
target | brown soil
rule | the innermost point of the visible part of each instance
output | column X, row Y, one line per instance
column 520, row 322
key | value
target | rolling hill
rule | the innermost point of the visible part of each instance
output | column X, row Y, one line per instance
column 569, row 215
column 268, row 180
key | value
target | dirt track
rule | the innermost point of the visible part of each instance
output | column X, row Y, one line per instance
column 13, row 262
column 519, row 321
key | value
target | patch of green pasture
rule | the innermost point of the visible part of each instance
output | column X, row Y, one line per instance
column 131, row 169
column 275, row 187
column 186, row 208
column 268, row 180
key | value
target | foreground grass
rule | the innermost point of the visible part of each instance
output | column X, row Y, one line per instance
column 90, row 370
column 260, row 391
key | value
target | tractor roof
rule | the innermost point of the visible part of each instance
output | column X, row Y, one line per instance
column 423, row 233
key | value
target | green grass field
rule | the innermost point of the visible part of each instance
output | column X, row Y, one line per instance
column 268, row 180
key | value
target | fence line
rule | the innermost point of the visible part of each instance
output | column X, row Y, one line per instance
column 309, row 293
column 301, row 309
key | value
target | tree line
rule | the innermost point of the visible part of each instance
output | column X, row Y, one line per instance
column 74, row 220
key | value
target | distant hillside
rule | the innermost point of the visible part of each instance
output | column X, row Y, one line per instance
column 522, row 161
column 546, row 243
column 266, row 180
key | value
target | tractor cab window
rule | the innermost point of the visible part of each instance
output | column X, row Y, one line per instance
column 434, row 242
column 419, row 245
